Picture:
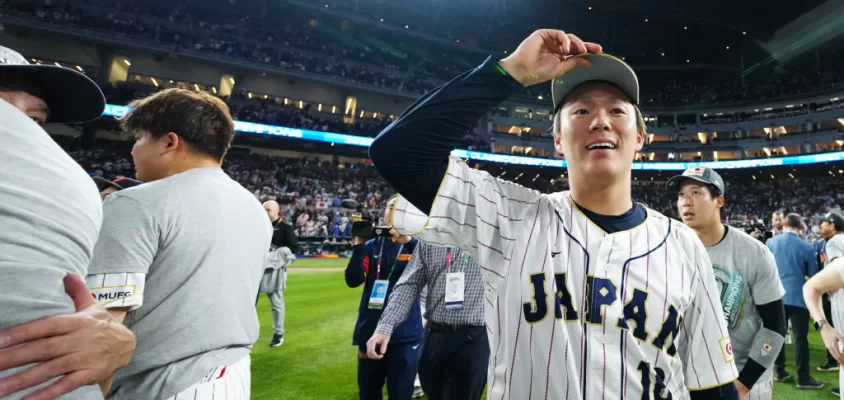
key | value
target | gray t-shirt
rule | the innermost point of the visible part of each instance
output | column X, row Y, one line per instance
column 201, row 239
column 747, row 276
column 50, row 215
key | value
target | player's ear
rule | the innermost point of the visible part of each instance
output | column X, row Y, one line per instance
column 558, row 142
column 641, row 131
column 720, row 201
column 171, row 141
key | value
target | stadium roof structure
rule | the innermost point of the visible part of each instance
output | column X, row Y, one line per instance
column 725, row 35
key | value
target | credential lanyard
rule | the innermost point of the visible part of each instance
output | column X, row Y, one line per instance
column 448, row 259
column 380, row 257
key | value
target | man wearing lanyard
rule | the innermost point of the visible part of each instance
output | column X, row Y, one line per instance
column 378, row 264
column 455, row 356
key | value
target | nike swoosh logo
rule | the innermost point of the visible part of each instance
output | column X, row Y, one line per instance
column 554, row 253
column 414, row 347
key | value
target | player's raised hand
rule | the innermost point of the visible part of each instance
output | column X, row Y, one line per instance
column 545, row 55
column 86, row 347
column 376, row 346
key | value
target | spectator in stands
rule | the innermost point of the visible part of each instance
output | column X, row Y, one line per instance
column 39, row 181
column 795, row 260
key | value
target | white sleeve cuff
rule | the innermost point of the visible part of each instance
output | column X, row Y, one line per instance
column 118, row 290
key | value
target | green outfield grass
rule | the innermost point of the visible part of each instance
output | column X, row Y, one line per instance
column 320, row 263
column 318, row 361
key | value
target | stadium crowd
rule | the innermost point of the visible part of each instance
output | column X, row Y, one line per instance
column 300, row 43
column 311, row 191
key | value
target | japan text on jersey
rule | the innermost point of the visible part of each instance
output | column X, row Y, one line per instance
column 574, row 312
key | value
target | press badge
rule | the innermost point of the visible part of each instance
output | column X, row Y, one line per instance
column 379, row 294
column 454, row 290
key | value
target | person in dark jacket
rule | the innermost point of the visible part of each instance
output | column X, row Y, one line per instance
column 378, row 264
column 283, row 234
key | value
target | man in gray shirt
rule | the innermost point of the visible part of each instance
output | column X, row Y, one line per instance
column 181, row 256
column 747, row 275
column 455, row 354
column 50, row 216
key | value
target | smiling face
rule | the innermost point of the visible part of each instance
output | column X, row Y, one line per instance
column 597, row 131
column 696, row 205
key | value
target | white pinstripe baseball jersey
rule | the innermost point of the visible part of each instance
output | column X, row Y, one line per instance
column 577, row 313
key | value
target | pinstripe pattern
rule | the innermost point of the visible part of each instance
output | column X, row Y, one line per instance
column 762, row 390
column 233, row 382
column 517, row 234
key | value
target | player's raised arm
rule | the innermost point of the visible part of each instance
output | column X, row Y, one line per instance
column 412, row 153
column 459, row 205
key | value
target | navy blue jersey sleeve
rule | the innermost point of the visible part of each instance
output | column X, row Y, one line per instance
column 412, row 153
column 358, row 266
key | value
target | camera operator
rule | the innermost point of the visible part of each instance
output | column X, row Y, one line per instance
column 378, row 263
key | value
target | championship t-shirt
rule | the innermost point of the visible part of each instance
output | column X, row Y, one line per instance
column 746, row 274
column 185, row 254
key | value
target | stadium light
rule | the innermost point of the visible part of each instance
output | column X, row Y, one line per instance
column 79, row 68
column 590, row 8
column 685, row 28
column 154, row 82
column 57, row 64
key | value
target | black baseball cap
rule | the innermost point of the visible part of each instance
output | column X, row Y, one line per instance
column 604, row 68
column 704, row 175
column 119, row 183
column 835, row 219
column 71, row 96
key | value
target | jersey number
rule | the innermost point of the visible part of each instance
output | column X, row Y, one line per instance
column 659, row 390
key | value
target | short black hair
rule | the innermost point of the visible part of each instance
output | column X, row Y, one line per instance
column 794, row 221
column 203, row 121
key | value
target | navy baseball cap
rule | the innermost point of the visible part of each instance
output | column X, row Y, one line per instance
column 71, row 96
column 119, row 183
column 704, row 175
column 604, row 68
column 835, row 219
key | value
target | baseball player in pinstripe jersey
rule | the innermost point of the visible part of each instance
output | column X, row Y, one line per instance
column 746, row 271
column 589, row 295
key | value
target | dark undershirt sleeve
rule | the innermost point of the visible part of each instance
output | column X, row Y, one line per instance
column 773, row 319
column 412, row 153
